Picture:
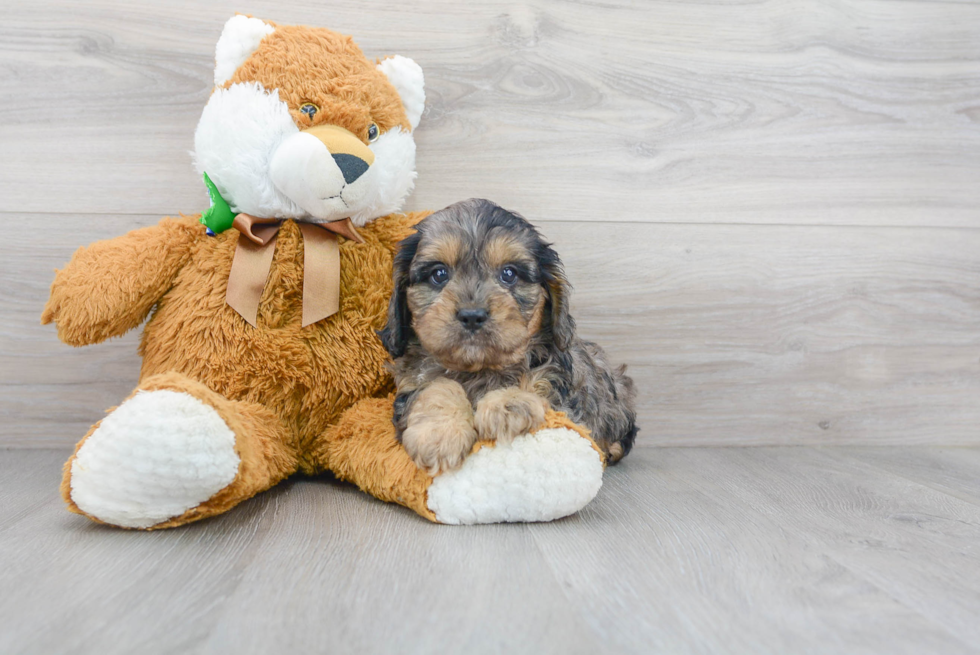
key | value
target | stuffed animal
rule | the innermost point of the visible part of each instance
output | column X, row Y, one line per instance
column 261, row 357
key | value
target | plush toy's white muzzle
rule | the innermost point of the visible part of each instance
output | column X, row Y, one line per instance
column 327, row 182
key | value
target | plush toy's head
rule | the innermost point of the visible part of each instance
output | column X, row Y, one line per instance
column 302, row 125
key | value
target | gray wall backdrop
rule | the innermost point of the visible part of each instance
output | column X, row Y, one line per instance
column 770, row 210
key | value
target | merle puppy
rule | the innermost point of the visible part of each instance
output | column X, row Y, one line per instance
column 482, row 341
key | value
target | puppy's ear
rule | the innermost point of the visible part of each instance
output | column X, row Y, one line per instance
column 398, row 330
column 558, row 289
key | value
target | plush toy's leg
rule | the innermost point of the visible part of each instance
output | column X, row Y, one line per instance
column 361, row 448
column 175, row 452
column 550, row 473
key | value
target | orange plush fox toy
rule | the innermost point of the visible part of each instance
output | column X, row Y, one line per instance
column 261, row 358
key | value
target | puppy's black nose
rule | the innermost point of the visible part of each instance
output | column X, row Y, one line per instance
column 472, row 319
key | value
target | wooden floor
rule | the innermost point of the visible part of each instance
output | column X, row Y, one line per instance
column 685, row 550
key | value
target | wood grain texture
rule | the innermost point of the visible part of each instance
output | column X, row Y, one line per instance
column 890, row 531
column 680, row 553
column 400, row 582
column 685, row 550
column 863, row 112
column 950, row 470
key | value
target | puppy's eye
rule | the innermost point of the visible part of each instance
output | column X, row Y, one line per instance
column 508, row 275
column 439, row 276
column 373, row 133
column 309, row 109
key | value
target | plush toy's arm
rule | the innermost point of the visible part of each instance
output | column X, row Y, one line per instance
column 110, row 286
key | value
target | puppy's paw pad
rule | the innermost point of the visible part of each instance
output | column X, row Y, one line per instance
column 439, row 445
column 503, row 414
column 157, row 455
column 440, row 431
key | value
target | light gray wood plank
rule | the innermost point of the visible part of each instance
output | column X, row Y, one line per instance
column 56, row 416
column 665, row 561
column 954, row 471
column 27, row 478
column 734, row 334
column 72, row 586
column 919, row 546
column 685, row 550
column 341, row 573
column 786, row 335
column 634, row 111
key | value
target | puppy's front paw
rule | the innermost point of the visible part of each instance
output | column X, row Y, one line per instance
column 439, row 431
column 503, row 414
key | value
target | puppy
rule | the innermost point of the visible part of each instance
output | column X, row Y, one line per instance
column 483, row 344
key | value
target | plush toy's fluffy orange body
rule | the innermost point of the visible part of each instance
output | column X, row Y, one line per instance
column 278, row 386
column 225, row 409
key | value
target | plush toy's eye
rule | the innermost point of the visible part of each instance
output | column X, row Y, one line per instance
column 439, row 276
column 309, row 109
column 373, row 133
column 508, row 275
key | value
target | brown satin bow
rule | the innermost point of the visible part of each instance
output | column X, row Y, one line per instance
column 321, row 265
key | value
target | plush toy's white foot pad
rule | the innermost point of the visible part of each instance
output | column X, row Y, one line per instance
column 157, row 455
column 538, row 477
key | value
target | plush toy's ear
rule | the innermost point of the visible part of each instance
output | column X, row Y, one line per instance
column 239, row 39
column 406, row 76
column 397, row 332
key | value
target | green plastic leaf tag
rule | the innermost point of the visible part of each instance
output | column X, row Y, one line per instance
column 218, row 217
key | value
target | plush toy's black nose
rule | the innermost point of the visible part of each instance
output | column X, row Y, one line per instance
column 472, row 319
column 351, row 166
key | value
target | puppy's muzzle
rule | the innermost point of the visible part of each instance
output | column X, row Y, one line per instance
column 472, row 319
